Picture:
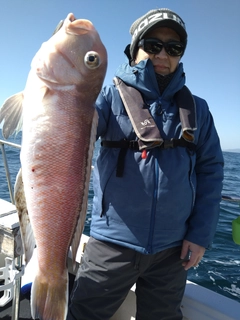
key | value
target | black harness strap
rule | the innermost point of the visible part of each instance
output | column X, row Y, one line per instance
column 124, row 145
column 120, row 162
column 133, row 144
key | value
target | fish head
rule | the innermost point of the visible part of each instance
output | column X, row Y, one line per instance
column 73, row 56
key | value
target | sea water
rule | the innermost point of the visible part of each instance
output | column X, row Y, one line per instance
column 219, row 269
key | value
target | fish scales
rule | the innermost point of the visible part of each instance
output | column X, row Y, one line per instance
column 59, row 131
column 55, row 177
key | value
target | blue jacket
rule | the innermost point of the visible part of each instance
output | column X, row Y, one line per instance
column 173, row 194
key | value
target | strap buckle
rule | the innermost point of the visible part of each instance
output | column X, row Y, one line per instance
column 168, row 144
column 133, row 145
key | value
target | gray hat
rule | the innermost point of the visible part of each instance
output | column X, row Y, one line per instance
column 153, row 19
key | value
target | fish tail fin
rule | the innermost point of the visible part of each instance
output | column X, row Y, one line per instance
column 49, row 298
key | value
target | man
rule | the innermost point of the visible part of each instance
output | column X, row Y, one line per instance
column 156, row 195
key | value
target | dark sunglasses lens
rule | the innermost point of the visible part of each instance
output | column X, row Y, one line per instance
column 174, row 49
column 152, row 46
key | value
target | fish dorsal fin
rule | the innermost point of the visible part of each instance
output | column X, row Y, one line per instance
column 28, row 239
column 11, row 113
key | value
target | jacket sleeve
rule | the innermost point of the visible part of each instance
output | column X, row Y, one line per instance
column 103, row 108
column 209, row 176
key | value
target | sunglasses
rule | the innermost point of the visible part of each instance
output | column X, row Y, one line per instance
column 155, row 46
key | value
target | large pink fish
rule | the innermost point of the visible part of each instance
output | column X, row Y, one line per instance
column 59, row 130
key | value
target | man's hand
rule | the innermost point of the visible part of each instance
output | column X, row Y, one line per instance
column 195, row 252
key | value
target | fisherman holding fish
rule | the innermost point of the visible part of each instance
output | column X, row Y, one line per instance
column 156, row 192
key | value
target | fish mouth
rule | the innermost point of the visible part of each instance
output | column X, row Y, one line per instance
column 70, row 18
column 75, row 26
column 78, row 26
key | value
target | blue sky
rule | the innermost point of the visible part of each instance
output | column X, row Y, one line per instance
column 211, row 61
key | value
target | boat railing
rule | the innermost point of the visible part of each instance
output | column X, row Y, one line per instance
column 5, row 162
column 15, row 265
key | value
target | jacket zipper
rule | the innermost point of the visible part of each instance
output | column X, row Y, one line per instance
column 190, row 178
column 153, row 209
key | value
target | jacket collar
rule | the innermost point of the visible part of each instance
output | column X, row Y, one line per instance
column 142, row 77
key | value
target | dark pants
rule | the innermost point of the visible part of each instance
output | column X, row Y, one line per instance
column 108, row 272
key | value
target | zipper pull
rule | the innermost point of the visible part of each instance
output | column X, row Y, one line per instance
column 144, row 154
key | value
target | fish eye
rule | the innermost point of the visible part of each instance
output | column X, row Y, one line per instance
column 92, row 60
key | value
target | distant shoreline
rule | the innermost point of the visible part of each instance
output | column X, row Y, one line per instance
column 232, row 150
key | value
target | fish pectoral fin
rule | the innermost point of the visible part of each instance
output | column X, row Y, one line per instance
column 27, row 235
column 11, row 113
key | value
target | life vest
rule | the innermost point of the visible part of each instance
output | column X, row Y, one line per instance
column 145, row 127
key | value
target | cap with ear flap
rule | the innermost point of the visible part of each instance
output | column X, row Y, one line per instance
column 153, row 19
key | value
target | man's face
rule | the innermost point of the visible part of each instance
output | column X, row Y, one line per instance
column 163, row 63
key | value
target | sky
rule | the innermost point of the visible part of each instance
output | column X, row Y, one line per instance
column 211, row 61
